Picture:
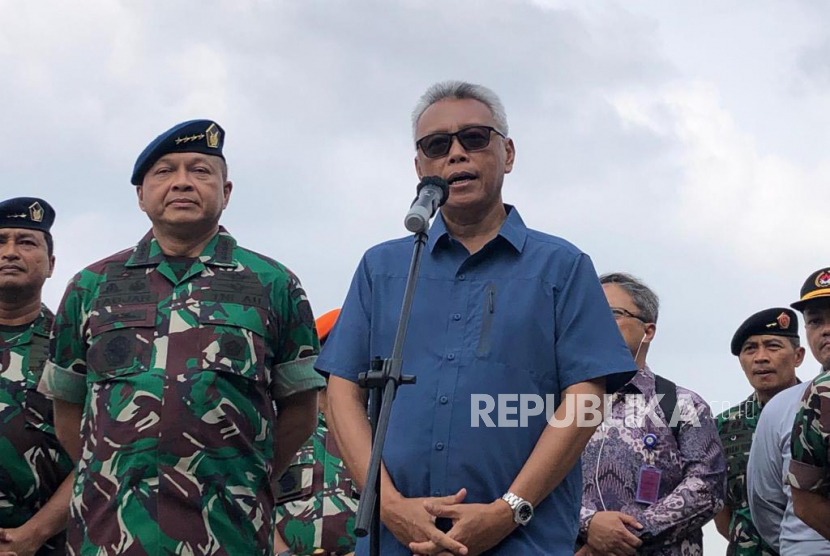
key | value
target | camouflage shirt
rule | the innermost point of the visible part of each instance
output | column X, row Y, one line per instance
column 317, row 499
column 736, row 427
column 33, row 464
column 178, row 377
column 810, row 464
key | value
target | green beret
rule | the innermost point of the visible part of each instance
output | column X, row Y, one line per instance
column 194, row 136
column 816, row 286
column 777, row 321
column 27, row 212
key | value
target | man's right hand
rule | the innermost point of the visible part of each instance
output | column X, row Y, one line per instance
column 607, row 534
column 409, row 521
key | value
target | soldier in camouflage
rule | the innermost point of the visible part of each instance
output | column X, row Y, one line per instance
column 809, row 472
column 174, row 359
column 768, row 349
column 317, row 499
column 34, row 488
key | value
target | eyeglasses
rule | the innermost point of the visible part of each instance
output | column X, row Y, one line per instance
column 473, row 138
column 619, row 313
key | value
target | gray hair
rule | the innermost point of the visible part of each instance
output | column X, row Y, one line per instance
column 643, row 297
column 460, row 90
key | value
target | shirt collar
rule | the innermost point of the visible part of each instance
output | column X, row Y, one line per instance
column 513, row 230
column 643, row 380
column 218, row 251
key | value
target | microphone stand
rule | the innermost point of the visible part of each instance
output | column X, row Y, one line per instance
column 383, row 381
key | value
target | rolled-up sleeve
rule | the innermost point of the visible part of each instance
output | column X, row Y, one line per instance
column 64, row 375
column 588, row 341
column 810, row 448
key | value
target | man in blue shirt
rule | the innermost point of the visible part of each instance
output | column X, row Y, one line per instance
column 501, row 313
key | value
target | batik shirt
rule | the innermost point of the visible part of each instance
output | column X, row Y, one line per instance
column 317, row 499
column 737, row 428
column 33, row 464
column 692, row 468
column 810, row 464
column 178, row 376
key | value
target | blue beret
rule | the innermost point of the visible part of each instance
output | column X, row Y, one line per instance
column 194, row 136
column 769, row 322
column 27, row 212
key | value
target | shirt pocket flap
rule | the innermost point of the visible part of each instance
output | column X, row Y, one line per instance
column 122, row 316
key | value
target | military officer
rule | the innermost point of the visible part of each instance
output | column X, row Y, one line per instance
column 34, row 489
column 768, row 349
column 809, row 471
column 317, row 497
column 174, row 359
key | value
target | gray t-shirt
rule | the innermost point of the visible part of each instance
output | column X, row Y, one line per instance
column 770, row 500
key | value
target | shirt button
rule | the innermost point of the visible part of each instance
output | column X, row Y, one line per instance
column 451, row 356
column 444, row 400
column 439, row 446
column 436, row 493
column 462, row 277
column 456, row 316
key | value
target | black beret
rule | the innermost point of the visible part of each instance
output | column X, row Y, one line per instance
column 816, row 286
column 194, row 136
column 27, row 212
column 769, row 322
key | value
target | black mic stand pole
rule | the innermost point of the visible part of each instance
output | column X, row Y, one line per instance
column 383, row 381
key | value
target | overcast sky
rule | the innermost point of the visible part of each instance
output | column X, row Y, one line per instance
column 683, row 142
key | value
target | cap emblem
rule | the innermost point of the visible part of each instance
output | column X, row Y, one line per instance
column 36, row 212
column 823, row 279
column 212, row 133
column 783, row 320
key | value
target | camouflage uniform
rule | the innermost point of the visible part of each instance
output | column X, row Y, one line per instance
column 178, row 378
column 317, row 498
column 33, row 465
column 736, row 427
column 810, row 464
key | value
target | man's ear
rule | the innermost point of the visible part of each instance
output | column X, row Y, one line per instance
column 51, row 266
column 139, row 191
column 227, row 188
column 510, row 158
column 799, row 356
column 651, row 331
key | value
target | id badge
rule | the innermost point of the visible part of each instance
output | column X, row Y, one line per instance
column 648, row 485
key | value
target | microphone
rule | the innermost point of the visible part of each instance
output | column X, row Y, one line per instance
column 432, row 193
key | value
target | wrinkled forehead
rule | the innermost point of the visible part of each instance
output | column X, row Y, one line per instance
column 452, row 114
column 816, row 307
column 763, row 339
column 21, row 233
column 188, row 158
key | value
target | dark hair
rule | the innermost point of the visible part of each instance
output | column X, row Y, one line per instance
column 795, row 341
column 50, row 243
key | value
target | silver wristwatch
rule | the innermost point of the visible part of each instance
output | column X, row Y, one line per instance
column 522, row 509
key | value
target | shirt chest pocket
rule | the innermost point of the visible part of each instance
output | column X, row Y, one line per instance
column 298, row 480
column 121, row 341
column 232, row 340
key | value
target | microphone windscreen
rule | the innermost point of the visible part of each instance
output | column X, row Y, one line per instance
column 438, row 182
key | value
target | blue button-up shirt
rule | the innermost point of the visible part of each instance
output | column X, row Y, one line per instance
column 524, row 315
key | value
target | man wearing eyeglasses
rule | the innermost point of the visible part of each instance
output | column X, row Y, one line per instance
column 768, row 349
column 650, row 484
column 500, row 310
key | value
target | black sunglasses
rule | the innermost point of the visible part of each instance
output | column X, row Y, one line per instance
column 473, row 138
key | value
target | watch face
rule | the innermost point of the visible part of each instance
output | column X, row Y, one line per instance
column 525, row 512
